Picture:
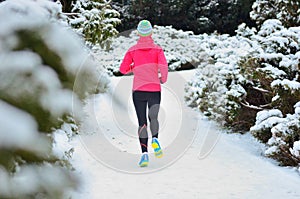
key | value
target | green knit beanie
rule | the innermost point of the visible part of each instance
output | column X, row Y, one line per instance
column 144, row 28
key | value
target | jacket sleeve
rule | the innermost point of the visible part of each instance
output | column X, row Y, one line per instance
column 163, row 66
column 126, row 64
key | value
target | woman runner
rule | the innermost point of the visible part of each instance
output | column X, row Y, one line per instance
column 150, row 68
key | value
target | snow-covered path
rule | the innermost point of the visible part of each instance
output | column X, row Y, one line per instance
column 199, row 162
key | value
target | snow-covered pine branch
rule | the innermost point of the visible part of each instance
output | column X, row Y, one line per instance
column 46, row 74
column 95, row 20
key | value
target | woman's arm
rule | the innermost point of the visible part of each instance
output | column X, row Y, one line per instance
column 163, row 66
column 126, row 65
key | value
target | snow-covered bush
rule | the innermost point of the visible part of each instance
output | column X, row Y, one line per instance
column 181, row 48
column 277, row 75
column 216, row 87
column 244, row 69
column 45, row 75
column 287, row 11
column 264, row 79
column 95, row 20
column 281, row 133
column 275, row 71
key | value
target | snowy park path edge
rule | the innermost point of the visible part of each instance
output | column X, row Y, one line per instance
column 212, row 165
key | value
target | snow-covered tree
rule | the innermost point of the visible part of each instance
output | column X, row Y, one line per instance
column 95, row 20
column 45, row 75
column 287, row 11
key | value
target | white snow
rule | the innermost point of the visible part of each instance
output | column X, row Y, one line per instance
column 61, row 144
column 237, row 91
column 274, row 72
column 270, row 122
column 31, row 178
column 270, row 26
column 289, row 63
column 200, row 161
column 271, row 150
column 24, row 134
column 286, row 84
column 26, row 61
column 263, row 115
column 296, row 149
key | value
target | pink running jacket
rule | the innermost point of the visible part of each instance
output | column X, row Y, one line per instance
column 148, row 63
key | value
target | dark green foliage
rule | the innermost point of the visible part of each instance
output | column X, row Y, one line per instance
column 199, row 16
column 223, row 16
column 67, row 5
column 288, row 98
column 263, row 135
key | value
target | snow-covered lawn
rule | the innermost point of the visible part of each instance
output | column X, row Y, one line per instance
column 200, row 161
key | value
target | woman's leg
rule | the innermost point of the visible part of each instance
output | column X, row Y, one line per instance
column 140, row 104
column 153, row 105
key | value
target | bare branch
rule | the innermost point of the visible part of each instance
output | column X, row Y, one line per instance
column 70, row 14
column 261, row 90
column 265, row 105
column 246, row 104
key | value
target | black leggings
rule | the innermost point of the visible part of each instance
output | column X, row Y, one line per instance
column 140, row 100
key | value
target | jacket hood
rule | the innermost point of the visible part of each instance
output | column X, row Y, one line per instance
column 145, row 43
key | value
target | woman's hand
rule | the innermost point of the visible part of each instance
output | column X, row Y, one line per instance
column 161, row 80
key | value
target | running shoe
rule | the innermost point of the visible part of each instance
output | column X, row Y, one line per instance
column 157, row 149
column 144, row 160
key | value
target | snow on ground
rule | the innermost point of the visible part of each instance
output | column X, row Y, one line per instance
column 200, row 161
